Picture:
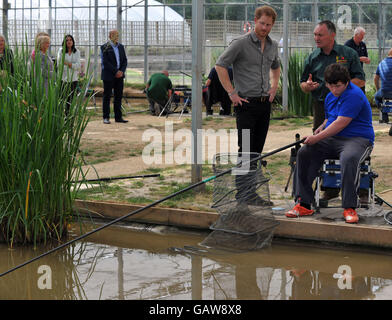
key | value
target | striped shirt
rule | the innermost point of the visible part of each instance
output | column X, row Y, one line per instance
column 384, row 70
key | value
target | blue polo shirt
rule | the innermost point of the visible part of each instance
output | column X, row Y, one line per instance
column 384, row 70
column 351, row 103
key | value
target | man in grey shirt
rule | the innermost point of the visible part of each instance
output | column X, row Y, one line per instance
column 253, row 56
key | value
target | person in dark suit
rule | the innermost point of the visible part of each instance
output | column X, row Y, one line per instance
column 216, row 93
column 114, row 63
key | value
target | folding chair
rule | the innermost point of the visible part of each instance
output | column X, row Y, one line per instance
column 167, row 108
column 187, row 101
column 174, row 102
column 330, row 176
column 126, row 101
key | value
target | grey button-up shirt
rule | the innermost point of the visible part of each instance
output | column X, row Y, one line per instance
column 251, row 67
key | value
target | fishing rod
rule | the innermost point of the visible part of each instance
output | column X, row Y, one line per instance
column 186, row 74
column 262, row 156
column 137, row 111
column 118, row 178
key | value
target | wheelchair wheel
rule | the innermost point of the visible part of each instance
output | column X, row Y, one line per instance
column 388, row 217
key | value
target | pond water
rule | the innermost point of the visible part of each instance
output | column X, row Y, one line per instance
column 161, row 263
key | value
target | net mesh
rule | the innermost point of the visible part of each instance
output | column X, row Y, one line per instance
column 242, row 199
column 247, row 183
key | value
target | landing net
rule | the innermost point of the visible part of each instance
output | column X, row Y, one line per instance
column 243, row 201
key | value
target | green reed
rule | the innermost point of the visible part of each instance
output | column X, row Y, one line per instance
column 299, row 103
column 39, row 147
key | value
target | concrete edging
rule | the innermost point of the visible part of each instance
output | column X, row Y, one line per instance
column 300, row 229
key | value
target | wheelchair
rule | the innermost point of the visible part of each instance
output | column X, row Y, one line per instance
column 180, row 98
column 330, row 176
column 385, row 109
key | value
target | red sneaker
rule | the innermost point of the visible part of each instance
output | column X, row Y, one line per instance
column 350, row 215
column 298, row 211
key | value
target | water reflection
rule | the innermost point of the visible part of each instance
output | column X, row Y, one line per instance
column 53, row 277
column 325, row 286
column 124, row 263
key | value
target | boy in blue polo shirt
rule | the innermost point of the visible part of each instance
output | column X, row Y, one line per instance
column 347, row 133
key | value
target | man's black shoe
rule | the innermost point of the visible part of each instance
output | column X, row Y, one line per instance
column 323, row 203
column 157, row 109
column 390, row 130
column 224, row 113
column 330, row 193
column 122, row 120
column 256, row 200
column 364, row 199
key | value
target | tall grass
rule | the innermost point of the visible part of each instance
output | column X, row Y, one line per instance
column 299, row 103
column 38, row 152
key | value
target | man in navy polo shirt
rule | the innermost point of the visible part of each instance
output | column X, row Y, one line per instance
column 346, row 133
column 356, row 43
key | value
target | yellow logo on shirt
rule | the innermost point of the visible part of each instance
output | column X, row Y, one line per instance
column 340, row 59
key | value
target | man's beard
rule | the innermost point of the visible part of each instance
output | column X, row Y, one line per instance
column 261, row 34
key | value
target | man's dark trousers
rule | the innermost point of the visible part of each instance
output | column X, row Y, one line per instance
column 117, row 86
column 254, row 116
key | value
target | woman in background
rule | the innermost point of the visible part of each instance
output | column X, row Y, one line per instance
column 71, row 70
column 6, row 56
column 39, row 34
column 47, row 67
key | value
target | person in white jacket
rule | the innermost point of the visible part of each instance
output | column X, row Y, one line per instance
column 71, row 70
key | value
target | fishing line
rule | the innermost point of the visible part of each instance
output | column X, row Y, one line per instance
column 118, row 178
column 262, row 156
